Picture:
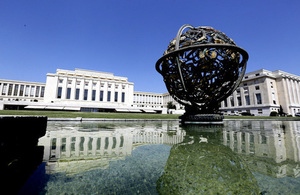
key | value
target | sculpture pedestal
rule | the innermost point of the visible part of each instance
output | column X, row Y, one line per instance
column 202, row 119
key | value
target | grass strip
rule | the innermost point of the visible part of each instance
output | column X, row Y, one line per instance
column 66, row 114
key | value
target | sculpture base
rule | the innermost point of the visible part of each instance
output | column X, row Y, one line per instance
column 202, row 119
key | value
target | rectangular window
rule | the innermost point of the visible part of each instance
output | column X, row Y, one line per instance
column 37, row 91
column 232, row 101
column 247, row 100
column 123, row 96
column 21, row 90
column 42, row 91
column 68, row 93
column 85, row 95
column 257, row 87
column 4, row 89
column 16, row 90
column 239, row 101
column 59, row 92
column 101, row 96
column 93, row 95
column 108, row 96
column 259, row 111
column 116, row 96
column 258, row 98
column 27, row 90
column 225, row 103
column 10, row 87
column 32, row 91
column 77, row 94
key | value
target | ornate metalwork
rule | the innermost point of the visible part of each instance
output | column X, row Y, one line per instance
column 201, row 68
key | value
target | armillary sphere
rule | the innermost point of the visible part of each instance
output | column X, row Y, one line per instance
column 201, row 68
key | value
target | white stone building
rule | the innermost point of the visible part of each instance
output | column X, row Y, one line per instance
column 259, row 93
column 18, row 94
column 262, row 92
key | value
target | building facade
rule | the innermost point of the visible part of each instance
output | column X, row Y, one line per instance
column 92, row 90
column 18, row 94
column 262, row 92
column 259, row 93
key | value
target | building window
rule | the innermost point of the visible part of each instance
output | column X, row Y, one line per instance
column 260, row 111
column 232, row 101
column 68, row 93
column 116, row 96
column 247, row 100
column 27, row 90
column 4, row 89
column 37, row 91
column 16, row 90
column 257, row 74
column 42, row 91
column 257, row 87
column 123, row 96
column 225, row 103
column 108, row 96
column 93, row 95
column 239, row 101
column 59, row 92
column 10, row 87
column 101, row 96
column 21, row 90
column 32, row 91
column 60, row 81
column 246, row 77
column 85, row 95
column 274, row 101
column 258, row 98
column 77, row 94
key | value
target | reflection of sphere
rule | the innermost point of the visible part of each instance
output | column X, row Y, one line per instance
column 205, row 168
column 202, row 67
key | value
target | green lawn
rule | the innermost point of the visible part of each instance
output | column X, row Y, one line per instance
column 64, row 114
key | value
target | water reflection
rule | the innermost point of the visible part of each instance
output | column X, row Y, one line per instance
column 247, row 157
column 201, row 165
column 85, row 146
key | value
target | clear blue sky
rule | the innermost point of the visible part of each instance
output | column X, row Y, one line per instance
column 127, row 37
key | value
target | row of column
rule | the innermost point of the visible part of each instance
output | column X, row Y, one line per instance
column 145, row 98
column 292, row 87
column 86, row 146
column 108, row 89
column 18, row 90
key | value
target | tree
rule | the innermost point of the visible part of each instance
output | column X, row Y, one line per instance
column 170, row 105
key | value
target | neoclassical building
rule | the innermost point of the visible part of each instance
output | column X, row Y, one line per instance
column 263, row 91
column 79, row 90
column 259, row 93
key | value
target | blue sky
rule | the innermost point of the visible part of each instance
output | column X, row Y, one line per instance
column 127, row 37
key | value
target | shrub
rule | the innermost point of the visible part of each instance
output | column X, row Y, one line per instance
column 274, row 113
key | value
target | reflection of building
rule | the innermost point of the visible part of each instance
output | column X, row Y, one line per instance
column 266, row 146
column 79, row 148
column 263, row 91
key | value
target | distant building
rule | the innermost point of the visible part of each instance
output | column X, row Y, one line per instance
column 259, row 93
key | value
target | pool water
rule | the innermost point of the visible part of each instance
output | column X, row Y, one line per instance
column 239, row 157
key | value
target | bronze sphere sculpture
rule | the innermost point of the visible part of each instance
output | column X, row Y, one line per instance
column 201, row 68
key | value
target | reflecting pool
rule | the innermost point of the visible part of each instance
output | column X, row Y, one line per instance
column 239, row 157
